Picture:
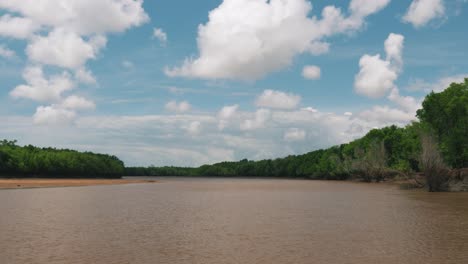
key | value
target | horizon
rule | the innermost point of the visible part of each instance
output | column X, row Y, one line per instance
column 157, row 84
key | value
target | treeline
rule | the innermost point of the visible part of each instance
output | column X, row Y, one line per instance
column 388, row 148
column 380, row 154
column 30, row 161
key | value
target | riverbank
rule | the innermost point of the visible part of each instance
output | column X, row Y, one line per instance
column 48, row 183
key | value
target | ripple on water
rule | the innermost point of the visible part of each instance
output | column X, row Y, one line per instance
column 233, row 221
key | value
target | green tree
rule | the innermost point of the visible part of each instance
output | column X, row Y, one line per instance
column 446, row 116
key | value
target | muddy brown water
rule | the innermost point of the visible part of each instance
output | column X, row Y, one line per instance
column 233, row 221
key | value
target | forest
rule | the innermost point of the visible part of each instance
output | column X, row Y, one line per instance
column 30, row 161
column 433, row 145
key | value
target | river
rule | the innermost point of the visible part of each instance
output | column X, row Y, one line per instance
column 180, row 220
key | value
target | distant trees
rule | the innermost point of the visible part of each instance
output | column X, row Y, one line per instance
column 381, row 152
column 30, row 161
column 366, row 158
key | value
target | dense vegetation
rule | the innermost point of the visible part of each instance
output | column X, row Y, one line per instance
column 30, row 161
column 379, row 154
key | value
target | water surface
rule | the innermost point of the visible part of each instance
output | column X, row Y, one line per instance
column 233, row 221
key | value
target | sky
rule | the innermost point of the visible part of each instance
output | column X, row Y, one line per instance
column 186, row 83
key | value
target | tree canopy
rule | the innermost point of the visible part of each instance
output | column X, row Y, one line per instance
column 30, row 161
column 446, row 115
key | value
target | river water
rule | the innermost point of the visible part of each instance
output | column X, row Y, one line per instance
column 233, row 221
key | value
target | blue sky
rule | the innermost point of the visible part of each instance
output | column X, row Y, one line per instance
column 221, row 80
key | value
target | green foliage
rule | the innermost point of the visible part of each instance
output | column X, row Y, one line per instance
column 445, row 114
column 30, row 161
column 400, row 146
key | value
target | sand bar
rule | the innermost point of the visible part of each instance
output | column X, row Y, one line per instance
column 45, row 183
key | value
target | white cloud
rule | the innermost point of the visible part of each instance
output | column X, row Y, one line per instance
column 384, row 116
column 376, row 76
column 74, row 102
column 294, row 134
column 422, row 12
column 176, row 107
column 66, row 34
column 261, row 116
column 363, row 8
column 194, row 128
column 226, row 114
column 407, row 103
column 277, row 100
column 394, row 49
column 309, row 109
column 84, row 17
column 437, row 85
column 39, row 88
column 160, row 35
column 16, row 27
column 247, row 39
column 348, row 114
column 311, row 72
column 62, row 48
column 85, row 76
column 51, row 115
column 6, row 52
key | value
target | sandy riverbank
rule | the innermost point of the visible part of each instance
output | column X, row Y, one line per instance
column 45, row 183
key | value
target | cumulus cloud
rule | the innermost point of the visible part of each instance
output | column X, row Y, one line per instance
column 309, row 109
column 159, row 34
column 194, row 128
column 174, row 106
column 65, row 34
column 376, row 76
column 422, row 12
column 85, row 17
column 407, row 103
column 74, row 102
column 394, row 49
column 42, row 89
column 247, row 39
column 51, row 115
column 63, row 49
column 311, row 72
column 384, row 116
column 278, row 100
column 261, row 116
column 16, row 27
column 83, row 75
column 226, row 114
column 363, row 8
column 294, row 134
column 6, row 52
column 438, row 85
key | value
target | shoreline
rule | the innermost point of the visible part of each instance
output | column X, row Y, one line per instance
column 16, row 183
